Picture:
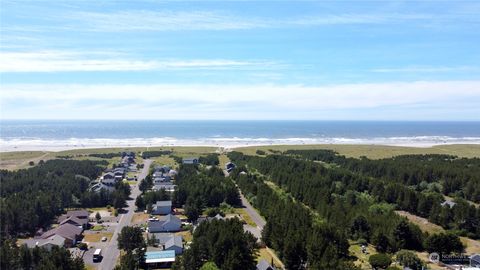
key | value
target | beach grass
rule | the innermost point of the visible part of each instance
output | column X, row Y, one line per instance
column 372, row 151
column 21, row 159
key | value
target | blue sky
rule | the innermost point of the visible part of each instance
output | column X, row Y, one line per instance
column 329, row 60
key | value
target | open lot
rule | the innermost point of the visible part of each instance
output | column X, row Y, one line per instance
column 97, row 236
column 269, row 256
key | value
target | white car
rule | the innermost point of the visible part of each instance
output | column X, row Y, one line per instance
column 104, row 239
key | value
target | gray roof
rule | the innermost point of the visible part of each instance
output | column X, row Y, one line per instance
column 166, row 219
column 264, row 265
column 67, row 231
column 54, row 240
column 164, row 203
column 190, row 160
column 162, row 238
column 175, row 240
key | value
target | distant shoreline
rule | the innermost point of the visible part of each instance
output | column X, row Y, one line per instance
column 58, row 146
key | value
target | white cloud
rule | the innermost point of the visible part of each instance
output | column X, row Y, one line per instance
column 427, row 69
column 142, row 20
column 239, row 101
column 164, row 21
column 64, row 61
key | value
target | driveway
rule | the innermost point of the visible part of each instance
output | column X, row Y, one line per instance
column 111, row 252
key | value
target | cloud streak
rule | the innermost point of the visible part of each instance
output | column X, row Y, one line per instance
column 239, row 101
column 143, row 20
column 66, row 61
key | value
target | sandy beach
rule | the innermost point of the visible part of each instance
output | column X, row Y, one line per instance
column 72, row 144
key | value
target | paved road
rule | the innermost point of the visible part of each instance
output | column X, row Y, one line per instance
column 111, row 252
column 252, row 212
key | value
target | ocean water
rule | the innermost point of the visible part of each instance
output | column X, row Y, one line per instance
column 34, row 135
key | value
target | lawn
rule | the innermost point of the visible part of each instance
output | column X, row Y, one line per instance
column 187, row 235
column 472, row 246
column 97, row 228
column 97, row 237
column 245, row 216
column 139, row 218
column 362, row 258
column 269, row 255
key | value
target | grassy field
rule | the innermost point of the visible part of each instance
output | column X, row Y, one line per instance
column 139, row 218
column 20, row 160
column 187, row 235
column 97, row 237
column 269, row 256
column 373, row 151
column 472, row 246
column 245, row 216
column 362, row 258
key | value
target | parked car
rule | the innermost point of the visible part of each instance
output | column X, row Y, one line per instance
column 104, row 239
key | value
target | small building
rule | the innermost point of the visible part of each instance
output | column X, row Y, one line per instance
column 264, row 265
column 190, row 160
column 101, row 186
column 169, row 223
column 159, row 259
column 162, row 208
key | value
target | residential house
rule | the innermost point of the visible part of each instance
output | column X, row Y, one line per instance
column 70, row 232
column 175, row 243
column 166, row 186
column 169, row 223
column 190, row 160
column 160, row 238
column 55, row 240
column 75, row 217
column 75, row 221
column 159, row 259
column 101, row 186
column 264, row 265
column 162, row 208
column 108, row 179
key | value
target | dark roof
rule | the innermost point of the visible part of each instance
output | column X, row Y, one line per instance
column 75, row 220
column 78, row 213
column 67, row 231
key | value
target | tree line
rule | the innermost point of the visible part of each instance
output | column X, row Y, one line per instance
column 198, row 188
column 358, row 207
column 32, row 198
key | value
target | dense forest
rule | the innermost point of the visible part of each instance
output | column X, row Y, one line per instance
column 32, row 198
column 345, row 204
column 419, row 181
column 222, row 242
column 198, row 188
column 448, row 174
